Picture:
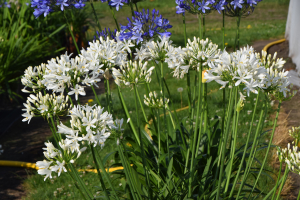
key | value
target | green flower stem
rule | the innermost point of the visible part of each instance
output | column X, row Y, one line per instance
column 252, row 153
column 75, row 182
column 224, row 142
column 278, row 178
column 141, row 104
column 95, row 15
column 203, row 35
column 113, row 14
column 206, row 121
column 246, row 147
column 136, row 7
column 134, row 178
column 200, row 25
column 269, row 146
column 196, row 128
column 74, row 40
column 284, row 179
column 233, row 146
column 137, row 98
column 127, row 115
column 268, row 149
column 96, row 96
column 267, row 197
column 184, row 29
column 53, row 133
column 79, row 180
column 194, row 95
column 108, row 97
column 99, row 174
column 164, row 104
column 127, row 173
column 131, row 8
column 151, row 109
column 98, row 162
column 237, row 37
column 223, row 30
column 159, row 143
column 188, row 79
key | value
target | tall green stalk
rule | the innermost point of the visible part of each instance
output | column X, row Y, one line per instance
column 200, row 25
column 233, row 145
column 72, row 35
column 269, row 146
column 278, row 178
column 113, row 14
column 196, row 128
column 184, row 29
column 246, row 146
column 99, row 174
column 96, row 96
column 223, row 30
column 95, row 15
column 237, row 37
column 127, row 115
column 285, row 175
column 224, row 142
column 203, row 35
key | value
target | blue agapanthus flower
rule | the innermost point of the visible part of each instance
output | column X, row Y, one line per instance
column 144, row 26
column 119, row 3
column 205, row 6
column 44, row 7
column 194, row 6
column 107, row 33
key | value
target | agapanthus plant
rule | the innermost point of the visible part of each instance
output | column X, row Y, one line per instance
column 44, row 7
column 120, row 3
column 143, row 26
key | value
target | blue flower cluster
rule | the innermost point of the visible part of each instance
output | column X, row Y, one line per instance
column 107, row 33
column 205, row 6
column 116, row 3
column 143, row 26
column 119, row 3
column 47, row 6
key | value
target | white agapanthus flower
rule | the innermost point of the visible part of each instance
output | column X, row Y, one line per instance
column 157, row 51
column 45, row 105
column 89, row 124
column 106, row 52
column 32, row 79
column 154, row 101
column 56, row 159
column 291, row 156
column 189, row 58
column 132, row 73
column 247, row 68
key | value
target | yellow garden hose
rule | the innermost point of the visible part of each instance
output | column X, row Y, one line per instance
column 8, row 163
column 273, row 43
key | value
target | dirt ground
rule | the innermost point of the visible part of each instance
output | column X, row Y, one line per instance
column 24, row 142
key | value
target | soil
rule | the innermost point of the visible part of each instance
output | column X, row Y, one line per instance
column 24, row 142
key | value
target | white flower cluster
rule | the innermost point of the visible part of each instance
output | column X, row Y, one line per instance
column 155, row 102
column 45, row 106
column 107, row 52
column 72, row 73
column 157, row 50
column 88, row 123
column 32, row 78
column 247, row 68
column 196, row 52
column 132, row 73
column 58, row 159
column 295, row 133
column 291, row 156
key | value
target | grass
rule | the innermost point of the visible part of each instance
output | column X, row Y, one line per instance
column 265, row 23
